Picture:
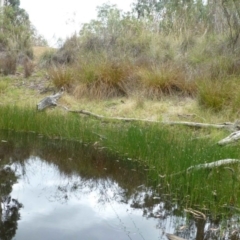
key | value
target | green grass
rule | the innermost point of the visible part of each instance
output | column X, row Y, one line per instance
column 3, row 86
column 53, row 124
column 221, row 94
column 166, row 151
column 163, row 151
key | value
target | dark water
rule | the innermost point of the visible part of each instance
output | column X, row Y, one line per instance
column 52, row 189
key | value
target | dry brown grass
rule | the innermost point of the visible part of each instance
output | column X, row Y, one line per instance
column 8, row 63
column 101, row 79
column 169, row 108
column 166, row 80
column 61, row 76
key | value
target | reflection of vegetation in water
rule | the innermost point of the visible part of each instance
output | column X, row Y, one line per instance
column 215, row 191
column 9, row 207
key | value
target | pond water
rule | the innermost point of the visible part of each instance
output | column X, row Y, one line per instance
column 57, row 206
column 52, row 189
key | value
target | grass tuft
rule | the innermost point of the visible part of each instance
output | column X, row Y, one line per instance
column 3, row 86
column 166, row 80
column 61, row 76
column 218, row 95
column 101, row 79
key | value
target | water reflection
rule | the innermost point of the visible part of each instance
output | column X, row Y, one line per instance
column 9, row 208
column 68, row 207
column 73, row 191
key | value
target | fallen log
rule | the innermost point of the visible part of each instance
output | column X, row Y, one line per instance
column 213, row 164
column 227, row 125
column 112, row 118
column 50, row 100
column 234, row 137
column 210, row 165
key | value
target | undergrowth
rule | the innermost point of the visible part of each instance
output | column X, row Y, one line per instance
column 121, row 55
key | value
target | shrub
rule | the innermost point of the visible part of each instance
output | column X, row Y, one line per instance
column 8, row 63
column 46, row 58
column 67, row 54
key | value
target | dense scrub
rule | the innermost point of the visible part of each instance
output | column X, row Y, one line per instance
column 183, row 51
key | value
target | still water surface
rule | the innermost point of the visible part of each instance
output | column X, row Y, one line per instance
column 57, row 206
column 52, row 189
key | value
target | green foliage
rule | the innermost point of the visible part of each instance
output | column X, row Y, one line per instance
column 167, row 153
column 53, row 124
column 13, row 3
column 166, row 50
column 47, row 58
column 15, row 30
column 3, row 86
column 67, row 53
column 218, row 95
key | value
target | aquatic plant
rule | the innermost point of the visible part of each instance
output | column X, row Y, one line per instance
column 164, row 152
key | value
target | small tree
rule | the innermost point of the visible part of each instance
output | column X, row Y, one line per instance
column 15, row 35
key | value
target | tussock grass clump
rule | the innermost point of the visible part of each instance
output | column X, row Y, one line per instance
column 61, row 76
column 223, row 67
column 213, row 94
column 165, row 80
column 218, row 95
column 102, row 79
